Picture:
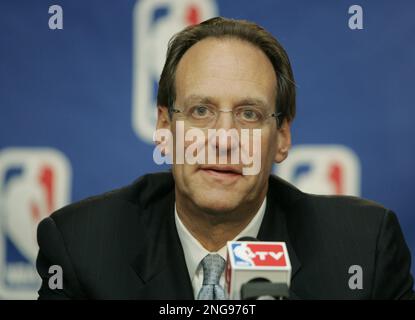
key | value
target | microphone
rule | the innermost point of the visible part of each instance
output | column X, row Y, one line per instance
column 257, row 270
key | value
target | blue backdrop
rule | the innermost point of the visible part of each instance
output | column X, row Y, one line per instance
column 77, row 104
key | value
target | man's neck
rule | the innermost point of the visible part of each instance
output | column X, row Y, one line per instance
column 214, row 229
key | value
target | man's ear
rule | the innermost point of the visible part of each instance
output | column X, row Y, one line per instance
column 163, row 136
column 163, row 117
column 283, row 141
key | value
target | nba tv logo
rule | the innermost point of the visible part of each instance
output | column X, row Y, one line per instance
column 259, row 254
column 155, row 22
column 322, row 169
column 34, row 182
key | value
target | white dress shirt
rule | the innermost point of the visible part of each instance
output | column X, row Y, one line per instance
column 194, row 252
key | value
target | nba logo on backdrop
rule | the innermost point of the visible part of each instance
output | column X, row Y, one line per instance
column 155, row 22
column 34, row 182
column 320, row 169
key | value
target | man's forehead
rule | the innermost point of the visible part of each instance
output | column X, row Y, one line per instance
column 218, row 51
column 215, row 67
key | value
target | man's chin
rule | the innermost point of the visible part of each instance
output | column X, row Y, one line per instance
column 213, row 202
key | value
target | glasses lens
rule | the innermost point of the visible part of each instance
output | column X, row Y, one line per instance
column 200, row 115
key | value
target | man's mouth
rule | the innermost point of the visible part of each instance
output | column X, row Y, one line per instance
column 222, row 172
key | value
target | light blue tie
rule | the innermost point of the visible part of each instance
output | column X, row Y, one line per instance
column 213, row 266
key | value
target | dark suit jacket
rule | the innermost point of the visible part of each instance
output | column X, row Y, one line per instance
column 124, row 245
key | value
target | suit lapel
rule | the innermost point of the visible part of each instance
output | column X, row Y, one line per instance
column 160, row 263
column 274, row 227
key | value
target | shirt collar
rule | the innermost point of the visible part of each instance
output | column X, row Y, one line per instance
column 194, row 252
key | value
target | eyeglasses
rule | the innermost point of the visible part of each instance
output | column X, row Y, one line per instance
column 205, row 116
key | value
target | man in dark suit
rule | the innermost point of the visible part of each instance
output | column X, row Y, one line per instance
column 164, row 236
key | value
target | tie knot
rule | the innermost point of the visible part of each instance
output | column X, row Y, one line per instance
column 213, row 266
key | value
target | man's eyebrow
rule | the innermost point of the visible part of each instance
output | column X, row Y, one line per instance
column 251, row 101
column 199, row 99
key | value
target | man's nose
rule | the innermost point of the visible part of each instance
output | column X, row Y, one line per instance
column 226, row 137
